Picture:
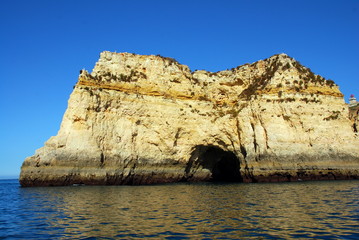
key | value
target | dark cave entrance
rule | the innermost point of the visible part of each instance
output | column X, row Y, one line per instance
column 223, row 165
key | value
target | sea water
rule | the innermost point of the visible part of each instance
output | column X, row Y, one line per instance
column 301, row 210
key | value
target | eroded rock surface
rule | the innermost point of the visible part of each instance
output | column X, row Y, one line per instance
column 148, row 119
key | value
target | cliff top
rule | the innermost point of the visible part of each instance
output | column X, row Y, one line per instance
column 163, row 76
column 282, row 61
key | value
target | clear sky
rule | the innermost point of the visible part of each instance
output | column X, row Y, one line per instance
column 44, row 44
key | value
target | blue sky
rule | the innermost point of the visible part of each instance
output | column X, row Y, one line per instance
column 44, row 44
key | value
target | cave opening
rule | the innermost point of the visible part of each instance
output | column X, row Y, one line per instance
column 223, row 165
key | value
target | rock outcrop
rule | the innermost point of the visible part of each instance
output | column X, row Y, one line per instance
column 148, row 119
column 354, row 113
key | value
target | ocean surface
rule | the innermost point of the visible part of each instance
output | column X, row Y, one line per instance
column 300, row 210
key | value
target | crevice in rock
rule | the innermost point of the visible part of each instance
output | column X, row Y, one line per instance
column 243, row 151
column 102, row 159
column 248, row 175
column 241, row 146
column 176, row 137
column 265, row 131
column 254, row 138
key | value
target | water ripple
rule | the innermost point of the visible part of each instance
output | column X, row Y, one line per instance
column 317, row 210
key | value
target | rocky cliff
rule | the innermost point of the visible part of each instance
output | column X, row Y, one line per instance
column 148, row 119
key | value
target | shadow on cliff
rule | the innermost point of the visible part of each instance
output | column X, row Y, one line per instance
column 211, row 163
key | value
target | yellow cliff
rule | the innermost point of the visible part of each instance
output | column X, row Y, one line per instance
column 148, row 119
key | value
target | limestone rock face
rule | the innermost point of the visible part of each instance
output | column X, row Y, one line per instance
column 148, row 119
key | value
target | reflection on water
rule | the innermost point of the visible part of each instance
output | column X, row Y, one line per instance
column 320, row 210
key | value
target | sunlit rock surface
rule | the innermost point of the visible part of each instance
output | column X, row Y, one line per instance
column 148, row 119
